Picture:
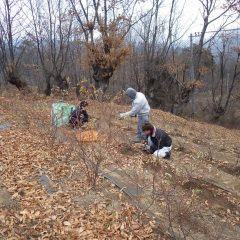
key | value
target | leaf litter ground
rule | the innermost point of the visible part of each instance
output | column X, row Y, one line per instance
column 203, row 174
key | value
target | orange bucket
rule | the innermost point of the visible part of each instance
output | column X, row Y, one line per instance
column 87, row 136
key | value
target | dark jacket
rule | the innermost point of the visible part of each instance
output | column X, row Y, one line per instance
column 159, row 140
column 78, row 117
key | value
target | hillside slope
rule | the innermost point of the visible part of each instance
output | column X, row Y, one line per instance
column 50, row 191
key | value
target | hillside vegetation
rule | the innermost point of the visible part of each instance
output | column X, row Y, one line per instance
column 54, row 187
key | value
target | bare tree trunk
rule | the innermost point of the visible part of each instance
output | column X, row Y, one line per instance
column 52, row 37
column 10, row 60
column 220, row 98
column 210, row 16
column 104, row 34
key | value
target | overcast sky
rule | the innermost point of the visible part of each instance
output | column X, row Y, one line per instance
column 192, row 14
column 191, row 17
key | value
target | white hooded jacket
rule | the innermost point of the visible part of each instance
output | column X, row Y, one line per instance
column 140, row 106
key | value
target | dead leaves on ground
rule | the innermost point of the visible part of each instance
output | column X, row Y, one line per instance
column 25, row 151
column 29, row 148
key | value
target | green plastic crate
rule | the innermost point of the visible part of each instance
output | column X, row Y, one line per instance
column 61, row 113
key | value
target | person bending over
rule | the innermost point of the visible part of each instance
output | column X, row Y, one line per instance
column 79, row 116
column 159, row 142
column 140, row 108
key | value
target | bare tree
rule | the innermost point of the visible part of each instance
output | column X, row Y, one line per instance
column 224, row 76
column 159, row 36
column 52, row 25
column 235, row 5
column 11, row 30
column 104, row 25
column 213, row 11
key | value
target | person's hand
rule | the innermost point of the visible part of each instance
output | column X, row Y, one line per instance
column 122, row 115
column 147, row 147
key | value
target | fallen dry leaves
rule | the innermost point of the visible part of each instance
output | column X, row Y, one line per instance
column 30, row 148
column 27, row 150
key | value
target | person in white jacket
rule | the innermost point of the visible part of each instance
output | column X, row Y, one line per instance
column 140, row 108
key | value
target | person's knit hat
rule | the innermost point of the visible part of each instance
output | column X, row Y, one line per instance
column 130, row 92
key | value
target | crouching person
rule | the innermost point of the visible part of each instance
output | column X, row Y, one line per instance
column 159, row 142
column 79, row 116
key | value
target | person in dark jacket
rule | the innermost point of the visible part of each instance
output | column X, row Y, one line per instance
column 79, row 116
column 159, row 142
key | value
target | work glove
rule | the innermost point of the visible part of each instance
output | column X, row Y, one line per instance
column 122, row 115
column 147, row 147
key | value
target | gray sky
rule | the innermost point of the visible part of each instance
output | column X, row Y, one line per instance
column 192, row 14
column 191, row 18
